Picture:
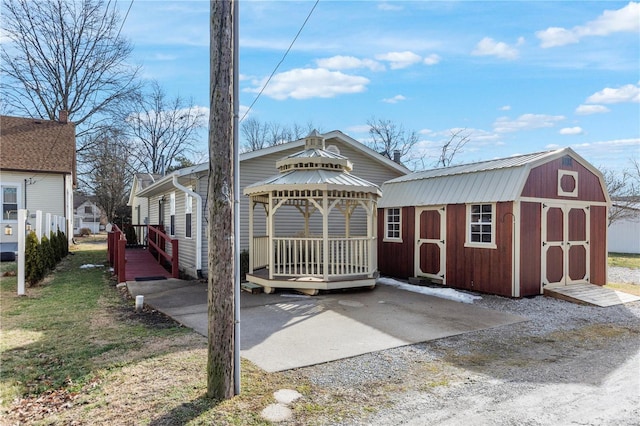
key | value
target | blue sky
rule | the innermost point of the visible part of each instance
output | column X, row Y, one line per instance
column 519, row 76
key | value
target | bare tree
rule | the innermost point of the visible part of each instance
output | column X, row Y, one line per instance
column 458, row 138
column 259, row 135
column 388, row 138
column 255, row 134
column 624, row 190
column 64, row 55
column 220, row 198
column 110, row 175
column 162, row 129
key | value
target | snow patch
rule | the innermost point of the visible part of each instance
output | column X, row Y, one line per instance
column 444, row 293
column 89, row 265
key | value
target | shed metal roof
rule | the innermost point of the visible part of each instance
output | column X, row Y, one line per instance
column 488, row 181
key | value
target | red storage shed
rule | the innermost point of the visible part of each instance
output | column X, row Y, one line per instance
column 508, row 226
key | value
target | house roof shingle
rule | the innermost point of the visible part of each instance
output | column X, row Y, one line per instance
column 32, row 144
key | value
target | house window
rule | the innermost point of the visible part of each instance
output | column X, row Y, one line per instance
column 9, row 202
column 88, row 209
column 187, row 215
column 392, row 224
column 481, row 225
column 172, row 213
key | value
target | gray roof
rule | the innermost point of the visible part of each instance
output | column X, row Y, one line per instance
column 496, row 180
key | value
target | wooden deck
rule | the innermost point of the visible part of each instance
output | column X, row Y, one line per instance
column 590, row 294
column 140, row 264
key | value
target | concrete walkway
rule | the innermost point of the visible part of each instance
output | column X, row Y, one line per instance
column 283, row 331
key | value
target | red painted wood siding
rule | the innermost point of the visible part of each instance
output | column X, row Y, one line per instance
column 598, row 245
column 396, row 259
column 480, row 269
column 543, row 182
column 530, row 248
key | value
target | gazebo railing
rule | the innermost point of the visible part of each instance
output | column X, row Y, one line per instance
column 298, row 257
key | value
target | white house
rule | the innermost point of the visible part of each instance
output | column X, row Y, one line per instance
column 178, row 201
column 37, row 171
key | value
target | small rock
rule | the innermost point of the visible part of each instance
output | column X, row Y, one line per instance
column 276, row 413
column 286, row 396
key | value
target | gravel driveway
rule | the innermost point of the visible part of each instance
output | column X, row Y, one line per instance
column 569, row 364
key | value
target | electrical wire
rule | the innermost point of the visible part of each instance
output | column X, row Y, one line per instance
column 281, row 61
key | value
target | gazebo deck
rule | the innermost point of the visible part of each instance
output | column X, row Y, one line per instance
column 311, row 283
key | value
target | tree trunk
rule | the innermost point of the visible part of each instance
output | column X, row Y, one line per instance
column 220, row 365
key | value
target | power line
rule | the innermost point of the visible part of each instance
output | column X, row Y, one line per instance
column 281, row 60
column 125, row 19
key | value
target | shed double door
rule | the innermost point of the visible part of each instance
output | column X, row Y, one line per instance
column 565, row 243
column 430, row 261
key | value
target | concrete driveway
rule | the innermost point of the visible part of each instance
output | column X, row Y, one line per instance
column 283, row 331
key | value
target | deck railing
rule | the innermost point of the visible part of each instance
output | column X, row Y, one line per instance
column 116, row 246
column 298, row 257
column 260, row 253
column 157, row 241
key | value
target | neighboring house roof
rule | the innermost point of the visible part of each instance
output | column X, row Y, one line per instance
column 496, row 180
column 165, row 183
column 140, row 182
column 36, row 145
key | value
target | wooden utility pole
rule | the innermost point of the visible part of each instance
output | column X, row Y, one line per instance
column 221, row 199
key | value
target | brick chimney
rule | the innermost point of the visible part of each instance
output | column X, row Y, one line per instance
column 63, row 116
column 396, row 156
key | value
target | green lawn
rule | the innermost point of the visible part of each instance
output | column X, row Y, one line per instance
column 624, row 260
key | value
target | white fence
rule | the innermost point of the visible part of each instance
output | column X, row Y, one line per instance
column 42, row 225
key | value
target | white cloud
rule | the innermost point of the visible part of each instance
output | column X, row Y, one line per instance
column 571, row 131
column 627, row 93
column 359, row 128
column 591, row 109
column 526, row 122
column 349, row 62
column 626, row 19
column 305, row 83
column 432, row 59
column 425, row 131
column 505, row 108
column 388, row 6
column 489, row 47
column 395, row 99
column 398, row 60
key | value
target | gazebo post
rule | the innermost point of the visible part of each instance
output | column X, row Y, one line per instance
column 252, row 205
column 270, row 235
column 325, row 235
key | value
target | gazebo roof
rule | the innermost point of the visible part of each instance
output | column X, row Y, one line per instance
column 314, row 168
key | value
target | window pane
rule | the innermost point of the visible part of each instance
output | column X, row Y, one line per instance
column 486, row 238
column 486, row 217
column 9, row 194
column 10, row 211
column 187, row 231
column 486, row 208
column 475, row 208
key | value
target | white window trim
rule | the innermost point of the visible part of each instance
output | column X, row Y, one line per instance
column 386, row 227
column 18, row 200
column 561, row 192
column 474, row 244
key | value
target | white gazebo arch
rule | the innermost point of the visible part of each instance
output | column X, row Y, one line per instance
column 317, row 229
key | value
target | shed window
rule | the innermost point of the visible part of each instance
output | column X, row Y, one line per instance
column 172, row 213
column 9, row 202
column 393, row 224
column 481, row 225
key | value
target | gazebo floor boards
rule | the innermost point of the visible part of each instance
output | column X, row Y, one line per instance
column 590, row 294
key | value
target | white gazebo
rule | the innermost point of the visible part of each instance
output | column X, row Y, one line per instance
column 317, row 228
